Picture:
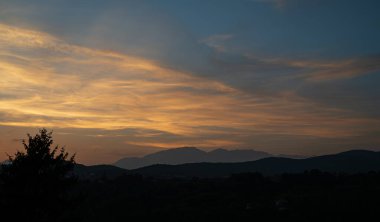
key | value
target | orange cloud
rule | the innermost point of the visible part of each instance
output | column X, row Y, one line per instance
column 323, row 70
column 51, row 83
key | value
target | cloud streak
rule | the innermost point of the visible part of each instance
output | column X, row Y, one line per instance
column 217, row 41
column 47, row 82
column 74, row 86
column 319, row 70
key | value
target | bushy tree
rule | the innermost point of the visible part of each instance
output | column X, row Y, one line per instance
column 35, row 182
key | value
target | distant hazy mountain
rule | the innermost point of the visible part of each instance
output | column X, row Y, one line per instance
column 191, row 155
column 350, row 162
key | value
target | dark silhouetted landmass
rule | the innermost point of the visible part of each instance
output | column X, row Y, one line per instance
column 98, row 171
column 34, row 183
column 355, row 161
column 191, row 155
column 45, row 184
column 339, row 187
column 309, row 196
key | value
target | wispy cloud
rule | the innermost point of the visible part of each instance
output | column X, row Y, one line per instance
column 47, row 82
column 217, row 41
column 319, row 70
column 343, row 69
column 63, row 85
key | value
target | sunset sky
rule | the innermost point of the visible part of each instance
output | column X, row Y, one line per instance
column 115, row 78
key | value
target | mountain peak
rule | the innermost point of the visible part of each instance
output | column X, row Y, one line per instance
column 184, row 149
column 183, row 155
column 219, row 150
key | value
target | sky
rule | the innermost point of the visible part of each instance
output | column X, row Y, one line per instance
column 117, row 78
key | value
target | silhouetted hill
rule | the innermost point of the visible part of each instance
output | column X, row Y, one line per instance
column 191, row 155
column 98, row 171
column 350, row 162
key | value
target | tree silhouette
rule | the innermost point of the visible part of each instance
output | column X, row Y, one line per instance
column 35, row 182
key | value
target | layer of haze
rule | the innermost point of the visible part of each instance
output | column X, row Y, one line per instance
column 127, row 78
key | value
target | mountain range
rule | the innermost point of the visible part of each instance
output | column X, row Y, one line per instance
column 193, row 155
column 355, row 161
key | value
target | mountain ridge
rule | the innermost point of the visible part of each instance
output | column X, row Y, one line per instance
column 184, row 155
column 354, row 161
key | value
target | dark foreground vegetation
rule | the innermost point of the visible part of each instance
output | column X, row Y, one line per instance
column 39, row 186
column 310, row 196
